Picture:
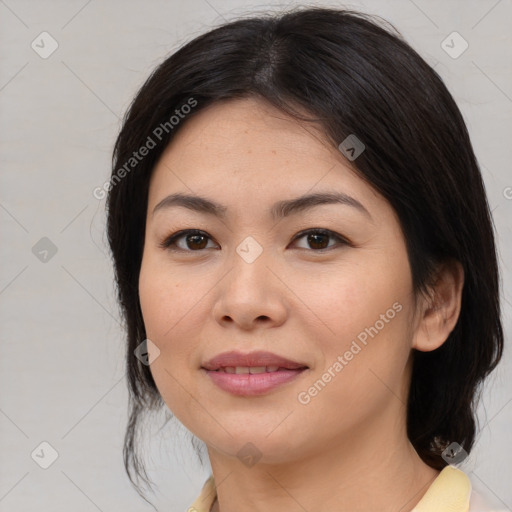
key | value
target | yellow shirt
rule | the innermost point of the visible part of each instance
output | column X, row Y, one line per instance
column 449, row 492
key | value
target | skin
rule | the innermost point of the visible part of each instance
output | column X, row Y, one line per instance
column 347, row 449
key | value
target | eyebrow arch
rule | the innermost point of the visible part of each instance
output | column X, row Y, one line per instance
column 279, row 210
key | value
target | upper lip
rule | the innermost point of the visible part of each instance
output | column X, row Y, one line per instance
column 251, row 359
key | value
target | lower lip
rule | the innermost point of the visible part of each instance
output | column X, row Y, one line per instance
column 251, row 384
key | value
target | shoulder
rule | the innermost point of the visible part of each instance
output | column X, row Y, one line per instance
column 453, row 490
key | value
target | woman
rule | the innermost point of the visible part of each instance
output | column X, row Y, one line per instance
column 306, row 265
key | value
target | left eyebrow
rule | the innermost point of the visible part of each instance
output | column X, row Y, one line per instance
column 279, row 210
column 285, row 208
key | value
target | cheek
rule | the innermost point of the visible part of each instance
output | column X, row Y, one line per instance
column 349, row 299
column 166, row 300
column 164, row 311
column 364, row 311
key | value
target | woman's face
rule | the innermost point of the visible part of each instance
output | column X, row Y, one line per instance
column 341, row 307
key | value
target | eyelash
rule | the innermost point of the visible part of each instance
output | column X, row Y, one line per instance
column 170, row 241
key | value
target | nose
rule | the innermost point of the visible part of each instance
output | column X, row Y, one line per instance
column 251, row 295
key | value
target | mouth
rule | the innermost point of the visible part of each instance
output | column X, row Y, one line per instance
column 251, row 374
column 241, row 370
column 252, row 362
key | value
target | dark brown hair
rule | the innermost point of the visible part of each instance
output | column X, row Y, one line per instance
column 354, row 74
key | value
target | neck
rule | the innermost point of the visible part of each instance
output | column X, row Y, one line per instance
column 382, row 471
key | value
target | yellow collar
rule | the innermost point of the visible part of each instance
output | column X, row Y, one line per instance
column 449, row 492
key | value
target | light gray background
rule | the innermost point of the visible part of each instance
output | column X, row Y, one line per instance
column 62, row 359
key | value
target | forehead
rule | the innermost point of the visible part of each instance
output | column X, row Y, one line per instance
column 248, row 148
column 243, row 129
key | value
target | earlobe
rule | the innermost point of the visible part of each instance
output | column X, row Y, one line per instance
column 439, row 313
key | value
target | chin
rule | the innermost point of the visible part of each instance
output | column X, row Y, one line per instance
column 256, row 446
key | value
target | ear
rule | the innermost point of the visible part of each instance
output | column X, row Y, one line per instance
column 438, row 314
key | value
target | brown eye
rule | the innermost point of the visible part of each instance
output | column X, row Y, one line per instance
column 318, row 239
column 194, row 240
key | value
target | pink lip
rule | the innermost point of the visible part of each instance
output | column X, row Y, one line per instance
column 258, row 358
column 252, row 384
